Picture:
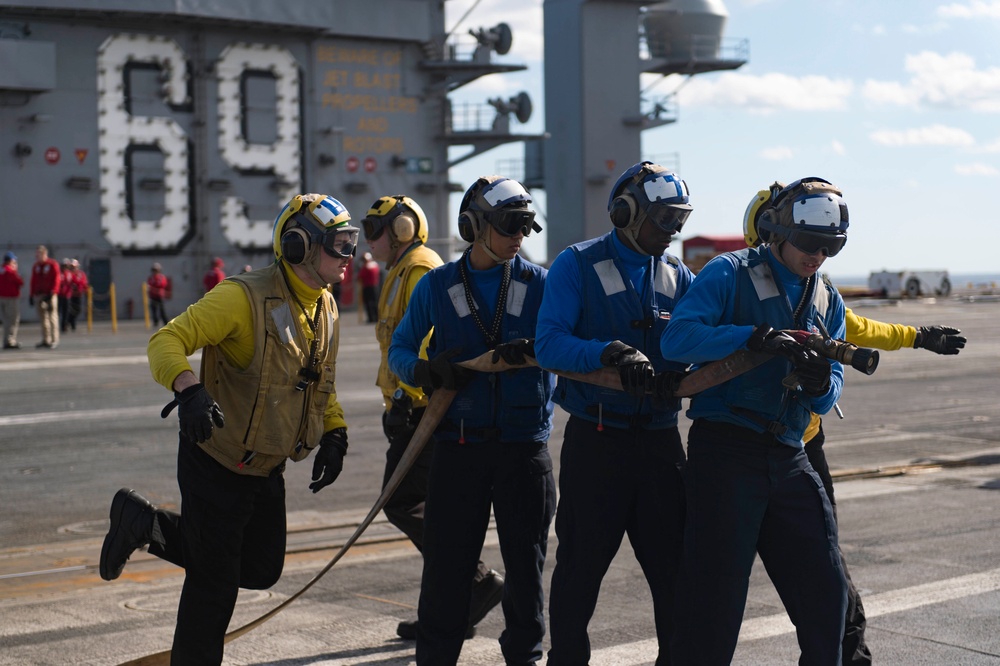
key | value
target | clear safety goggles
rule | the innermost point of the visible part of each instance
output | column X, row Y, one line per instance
column 341, row 243
column 668, row 219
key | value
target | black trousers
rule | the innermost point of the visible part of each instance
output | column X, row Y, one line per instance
column 466, row 480
column 156, row 311
column 230, row 534
column 405, row 509
column 854, row 650
column 612, row 483
column 369, row 296
column 749, row 494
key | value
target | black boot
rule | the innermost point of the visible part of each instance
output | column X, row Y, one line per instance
column 131, row 528
column 486, row 593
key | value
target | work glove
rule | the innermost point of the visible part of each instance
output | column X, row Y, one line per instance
column 665, row 386
column 329, row 460
column 763, row 338
column 396, row 421
column 440, row 372
column 813, row 372
column 634, row 369
column 939, row 339
column 515, row 351
column 196, row 411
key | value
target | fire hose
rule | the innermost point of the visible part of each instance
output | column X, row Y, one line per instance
column 712, row 374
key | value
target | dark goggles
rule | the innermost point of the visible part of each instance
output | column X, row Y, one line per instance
column 512, row 222
column 668, row 219
column 374, row 227
column 812, row 242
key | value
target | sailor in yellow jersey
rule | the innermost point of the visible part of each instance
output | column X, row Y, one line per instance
column 266, row 393
column 863, row 332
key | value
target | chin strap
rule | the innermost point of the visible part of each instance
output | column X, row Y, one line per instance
column 631, row 234
column 489, row 252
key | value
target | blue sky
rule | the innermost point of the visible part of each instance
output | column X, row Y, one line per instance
column 897, row 103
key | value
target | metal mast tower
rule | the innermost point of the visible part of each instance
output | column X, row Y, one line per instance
column 594, row 113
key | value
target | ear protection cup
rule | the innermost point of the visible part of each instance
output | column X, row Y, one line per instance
column 765, row 225
column 468, row 226
column 623, row 210
column 295, row 245
column 404, row 228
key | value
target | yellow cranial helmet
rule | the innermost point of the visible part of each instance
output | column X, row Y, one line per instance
column 400, row 215
column 309, row 221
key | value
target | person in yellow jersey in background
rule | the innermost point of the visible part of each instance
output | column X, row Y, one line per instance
column 863, row 332
column 266, row 393
column 396, row 230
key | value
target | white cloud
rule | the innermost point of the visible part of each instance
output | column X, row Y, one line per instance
column 949, row 81
column 933, row 135
column 993, row 147
column 777, row 153
column 973, row 9
column 976, row 169
column 838, row 147
column 768, row 93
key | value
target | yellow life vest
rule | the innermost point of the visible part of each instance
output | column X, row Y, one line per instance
column 391, row 308
column 268, row 417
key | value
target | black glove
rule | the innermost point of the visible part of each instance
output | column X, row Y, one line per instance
column 440, row 372
column 939, row 339
column 813, row 372
column 766, row 339
column 329, row 460
column 196, row 411
column 515, row 351
column 665, row 387
column 31, row 300
column 48, row 299
column 634, row 369
column 396, row 421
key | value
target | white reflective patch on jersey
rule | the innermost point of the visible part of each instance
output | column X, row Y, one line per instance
column 763, row 282
column 611, row 278
column 282, row 316
column 665, row 280
column 457, row 295
column 516, row 293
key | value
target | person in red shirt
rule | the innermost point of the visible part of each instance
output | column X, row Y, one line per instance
column 158, row 289
column 369, row 276
column 10, row 295
column 78, row 287
column 44, row 295
column 215, row 275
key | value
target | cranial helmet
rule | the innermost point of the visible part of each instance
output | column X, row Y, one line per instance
column 647, row 191
column 400, row 215
column 760, row 202
column 810, row 214
column 309, row 223
column 498, row 202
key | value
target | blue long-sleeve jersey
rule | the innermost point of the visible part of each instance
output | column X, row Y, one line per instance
column 702, row 328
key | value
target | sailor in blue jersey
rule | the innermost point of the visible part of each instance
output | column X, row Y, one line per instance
column 607, row 300
column 491, row 448
column 750, row 487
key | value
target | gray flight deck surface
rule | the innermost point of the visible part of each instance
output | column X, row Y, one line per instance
column 79, row 422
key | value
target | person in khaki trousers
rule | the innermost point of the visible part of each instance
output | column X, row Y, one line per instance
column 45, row 281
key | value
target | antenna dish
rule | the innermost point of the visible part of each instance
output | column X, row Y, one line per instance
column 504, row 38
column 522, row 107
